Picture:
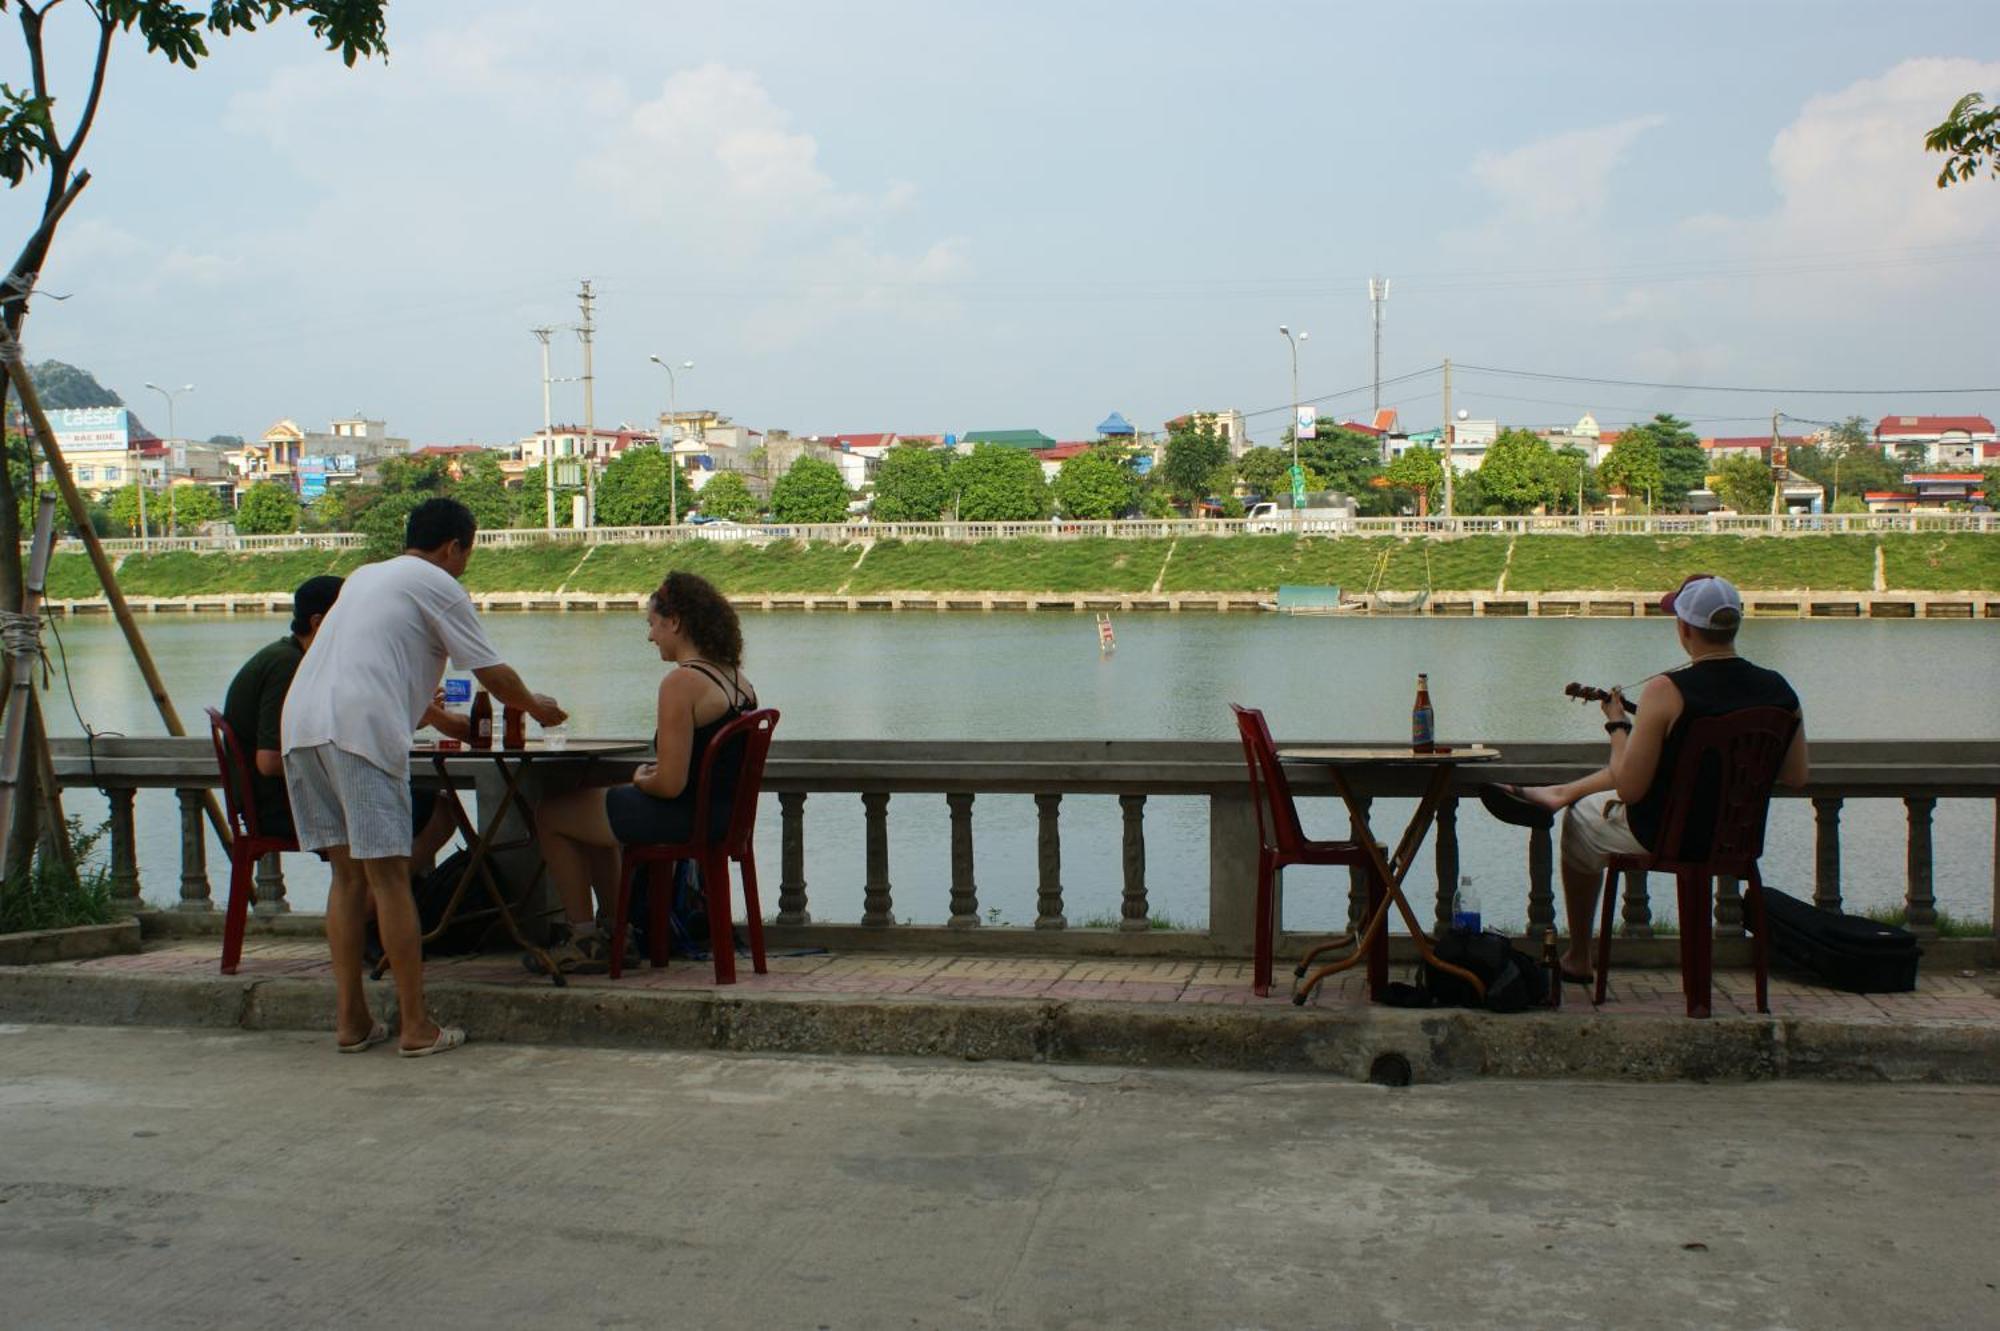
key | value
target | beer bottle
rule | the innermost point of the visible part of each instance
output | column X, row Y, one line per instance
column 514, row 730
column 1423, row 730
column 482, row 720
column 1553, row 965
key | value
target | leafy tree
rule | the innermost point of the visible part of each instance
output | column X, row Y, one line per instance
column 124, row 506
column 188, row 508
column 996, row 484
column 1745, row 484
column 1267, row 472
column 636, row 489
column 416, row 473
column 267, row 509
column 1969, row 139
column 812, row 491
column 481, row 488
column 910, row 485
column 332, row 511
column 62, row 387
column 384, row 522
column 1633, row 464
column 1572, row 465
column 1850, row 436
column 1096, row 484
column 1845, row 471
column 1341, row 459
column 1419, row 473
column 727, row 495
column 531, row 501
column 1850, row 504
column 1521, row 473
column 1193, row 454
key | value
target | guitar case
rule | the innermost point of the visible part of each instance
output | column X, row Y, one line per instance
column 1847, row 952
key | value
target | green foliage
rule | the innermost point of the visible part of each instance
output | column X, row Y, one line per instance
column 385, row 521
column 268, row 509
column 998, row 484
column 1633, row 465
column 64, row 387
column 1193, row 454
column 1418, row 473
column 1521, row 473
column 1096, row 484
column 48, row 896
column 187, row 508
column 1267, row 472
column 1341, row 460
column 481, row 489
column 812, row 491
column 124, row 506
column 1745, row 484
column 727, row 495
column 910, row 485
column 1846, row 469
column 1850, row 504
column 1969, row 139
column 639, row 489
column 1850, row 435
column 531, row 500
column 1661, row 459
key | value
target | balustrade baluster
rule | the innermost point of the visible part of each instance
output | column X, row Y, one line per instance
column 792, row 858
column 1357, row 875
column 1638, row 921
column 1728, row 907
column 124, row 849
column 1541, row 882
column 1136, row 914
column 1048, row 862
column 271, row 885
column 875, row 896
column 1447, row 861
column 1826, row 851
column 964, row 891
column 1919, row 907
column 194, row 852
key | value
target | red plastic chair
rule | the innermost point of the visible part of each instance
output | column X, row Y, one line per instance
column 1737, row 756
column 1282, row 841
column 750, row 735
column 247, row 844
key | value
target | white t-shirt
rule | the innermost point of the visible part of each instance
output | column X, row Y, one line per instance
column 377, row 659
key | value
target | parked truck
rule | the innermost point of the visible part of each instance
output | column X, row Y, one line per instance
column 1329, row 514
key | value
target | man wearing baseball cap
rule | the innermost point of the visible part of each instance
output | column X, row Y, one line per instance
column 1616, row 809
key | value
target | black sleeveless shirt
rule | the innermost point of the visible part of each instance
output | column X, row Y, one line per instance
column 740, row 703
column 1715, row 687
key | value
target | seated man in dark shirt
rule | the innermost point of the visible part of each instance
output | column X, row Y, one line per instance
column 256, row 703
column 1617, row 809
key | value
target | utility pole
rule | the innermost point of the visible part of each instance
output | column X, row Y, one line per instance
column 548, row 436
column 1378, row 296
column 1298, row 474
column 583, row 334
column 1778, row 461
column 1447, row 436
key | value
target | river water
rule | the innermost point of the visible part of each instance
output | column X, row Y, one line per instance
column 1041, row 676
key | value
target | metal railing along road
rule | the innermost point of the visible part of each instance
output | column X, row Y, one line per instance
column 1797, row 524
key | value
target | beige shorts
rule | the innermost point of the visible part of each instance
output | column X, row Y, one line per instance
column 1594, row 829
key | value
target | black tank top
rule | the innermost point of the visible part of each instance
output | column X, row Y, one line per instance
column 1715, row 687
column 740, row 703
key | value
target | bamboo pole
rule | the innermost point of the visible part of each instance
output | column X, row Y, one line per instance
column 15, row 733
column 31, row 402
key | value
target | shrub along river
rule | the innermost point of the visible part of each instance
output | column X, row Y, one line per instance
column 939, row 676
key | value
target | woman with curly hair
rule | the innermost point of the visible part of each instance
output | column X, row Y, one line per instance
column 694, row 627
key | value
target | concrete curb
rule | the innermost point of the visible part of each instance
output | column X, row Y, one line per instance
column 1382, row 1044
column 76, row 943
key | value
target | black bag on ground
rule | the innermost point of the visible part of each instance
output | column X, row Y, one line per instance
column 1514, row 980
column 476, row 918
column 1847, row 952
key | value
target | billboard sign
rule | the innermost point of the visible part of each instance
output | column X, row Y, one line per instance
column 91, row 429
column 1308, row 425
column 312, row 477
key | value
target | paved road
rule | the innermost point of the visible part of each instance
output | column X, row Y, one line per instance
column 168, row 1178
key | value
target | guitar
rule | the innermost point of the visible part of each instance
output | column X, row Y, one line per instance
column 1586, row 693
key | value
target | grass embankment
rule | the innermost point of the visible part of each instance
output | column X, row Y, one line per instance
column 1197, row 564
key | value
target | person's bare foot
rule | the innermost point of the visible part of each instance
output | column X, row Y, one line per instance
column 1549, row 797
column 1576, row 968
column 418, row 1037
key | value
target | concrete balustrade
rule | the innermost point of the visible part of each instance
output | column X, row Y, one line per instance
column 803, row 773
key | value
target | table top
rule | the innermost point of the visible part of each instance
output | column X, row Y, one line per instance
column 536, row 750
column 1364, row 755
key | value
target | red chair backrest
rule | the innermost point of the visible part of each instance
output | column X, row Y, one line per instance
column 1739, row 754
column 750, row 735
column 238, row 795
column 1277, row 817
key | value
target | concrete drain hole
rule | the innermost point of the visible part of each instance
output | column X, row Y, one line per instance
column 1389, row 1070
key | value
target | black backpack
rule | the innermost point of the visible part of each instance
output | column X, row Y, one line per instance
column 1514, row 980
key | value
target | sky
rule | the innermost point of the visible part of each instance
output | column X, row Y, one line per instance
column 932, row 218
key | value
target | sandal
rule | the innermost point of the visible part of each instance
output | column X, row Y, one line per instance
column 365, row 1043
column 448, row 1039
column 1509, row 805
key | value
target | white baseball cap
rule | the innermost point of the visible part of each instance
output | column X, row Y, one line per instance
column 1701, row 598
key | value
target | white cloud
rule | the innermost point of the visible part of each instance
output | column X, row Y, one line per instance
column 1563, row 176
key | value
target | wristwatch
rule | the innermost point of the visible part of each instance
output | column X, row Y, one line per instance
column 1612, row 727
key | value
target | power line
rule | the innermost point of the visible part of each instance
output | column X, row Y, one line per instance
column 1727, row 388
column 1345, row 392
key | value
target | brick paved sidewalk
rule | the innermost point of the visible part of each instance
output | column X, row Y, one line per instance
column 1941, row 997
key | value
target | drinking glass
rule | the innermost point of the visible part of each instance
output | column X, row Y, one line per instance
column 555, row 737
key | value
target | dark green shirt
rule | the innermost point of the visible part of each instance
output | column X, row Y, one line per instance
column 255, row 707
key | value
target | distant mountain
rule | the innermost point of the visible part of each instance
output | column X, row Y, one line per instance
column 60, row 386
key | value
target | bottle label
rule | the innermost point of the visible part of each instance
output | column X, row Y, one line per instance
column 1421, row 734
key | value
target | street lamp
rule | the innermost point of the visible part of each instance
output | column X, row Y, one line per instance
column 673, row 462
column 169, row 394
column 1298, row 476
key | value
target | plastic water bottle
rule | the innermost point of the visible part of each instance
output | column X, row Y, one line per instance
column 1465, row 907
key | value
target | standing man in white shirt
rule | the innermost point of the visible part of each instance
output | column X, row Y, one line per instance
column 357, row 699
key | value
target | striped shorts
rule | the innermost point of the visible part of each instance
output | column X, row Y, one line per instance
column 339, row 799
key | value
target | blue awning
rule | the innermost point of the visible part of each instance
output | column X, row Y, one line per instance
column 1115, row 424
